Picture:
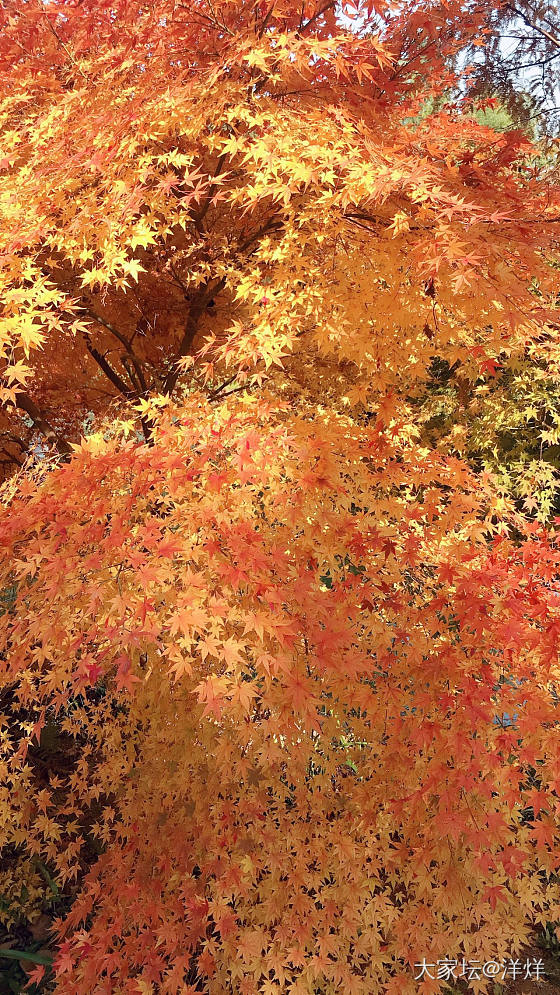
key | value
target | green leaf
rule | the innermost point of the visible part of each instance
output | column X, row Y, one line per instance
column 25, row 955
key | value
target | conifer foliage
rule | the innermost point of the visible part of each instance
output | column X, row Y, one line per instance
column 304, row 663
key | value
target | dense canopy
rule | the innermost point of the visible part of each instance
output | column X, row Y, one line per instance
column 279, row 359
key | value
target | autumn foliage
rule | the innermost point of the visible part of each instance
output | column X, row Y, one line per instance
column 298, row 641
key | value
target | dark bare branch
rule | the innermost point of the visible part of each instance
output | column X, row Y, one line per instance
column 108, row 370
column 198, row 216
column 42, row 424
column 124, row 341
column 205, row 294
column 533, row 25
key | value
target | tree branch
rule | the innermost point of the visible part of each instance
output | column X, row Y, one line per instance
column 198, row 216
column 265, row 20
column 272, row 225
column 201, row 301
column 11, row 458
column 113, row 376
column 534, row 27
column 41, row 423
column 130, row 372
column 215, row 393
column 122, row 339
column 108, row 370
column 316, row 15
column 196, row 310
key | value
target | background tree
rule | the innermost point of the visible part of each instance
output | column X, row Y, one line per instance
column 516, row 61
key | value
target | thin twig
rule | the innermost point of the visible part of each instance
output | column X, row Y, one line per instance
column 535, row 27
column 64, row 46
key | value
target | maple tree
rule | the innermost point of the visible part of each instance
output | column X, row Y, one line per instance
column 301, row 647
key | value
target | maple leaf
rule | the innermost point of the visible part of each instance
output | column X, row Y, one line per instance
column 230, row 651
column 18, row 372
column 187, row 618
column 125, row 679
